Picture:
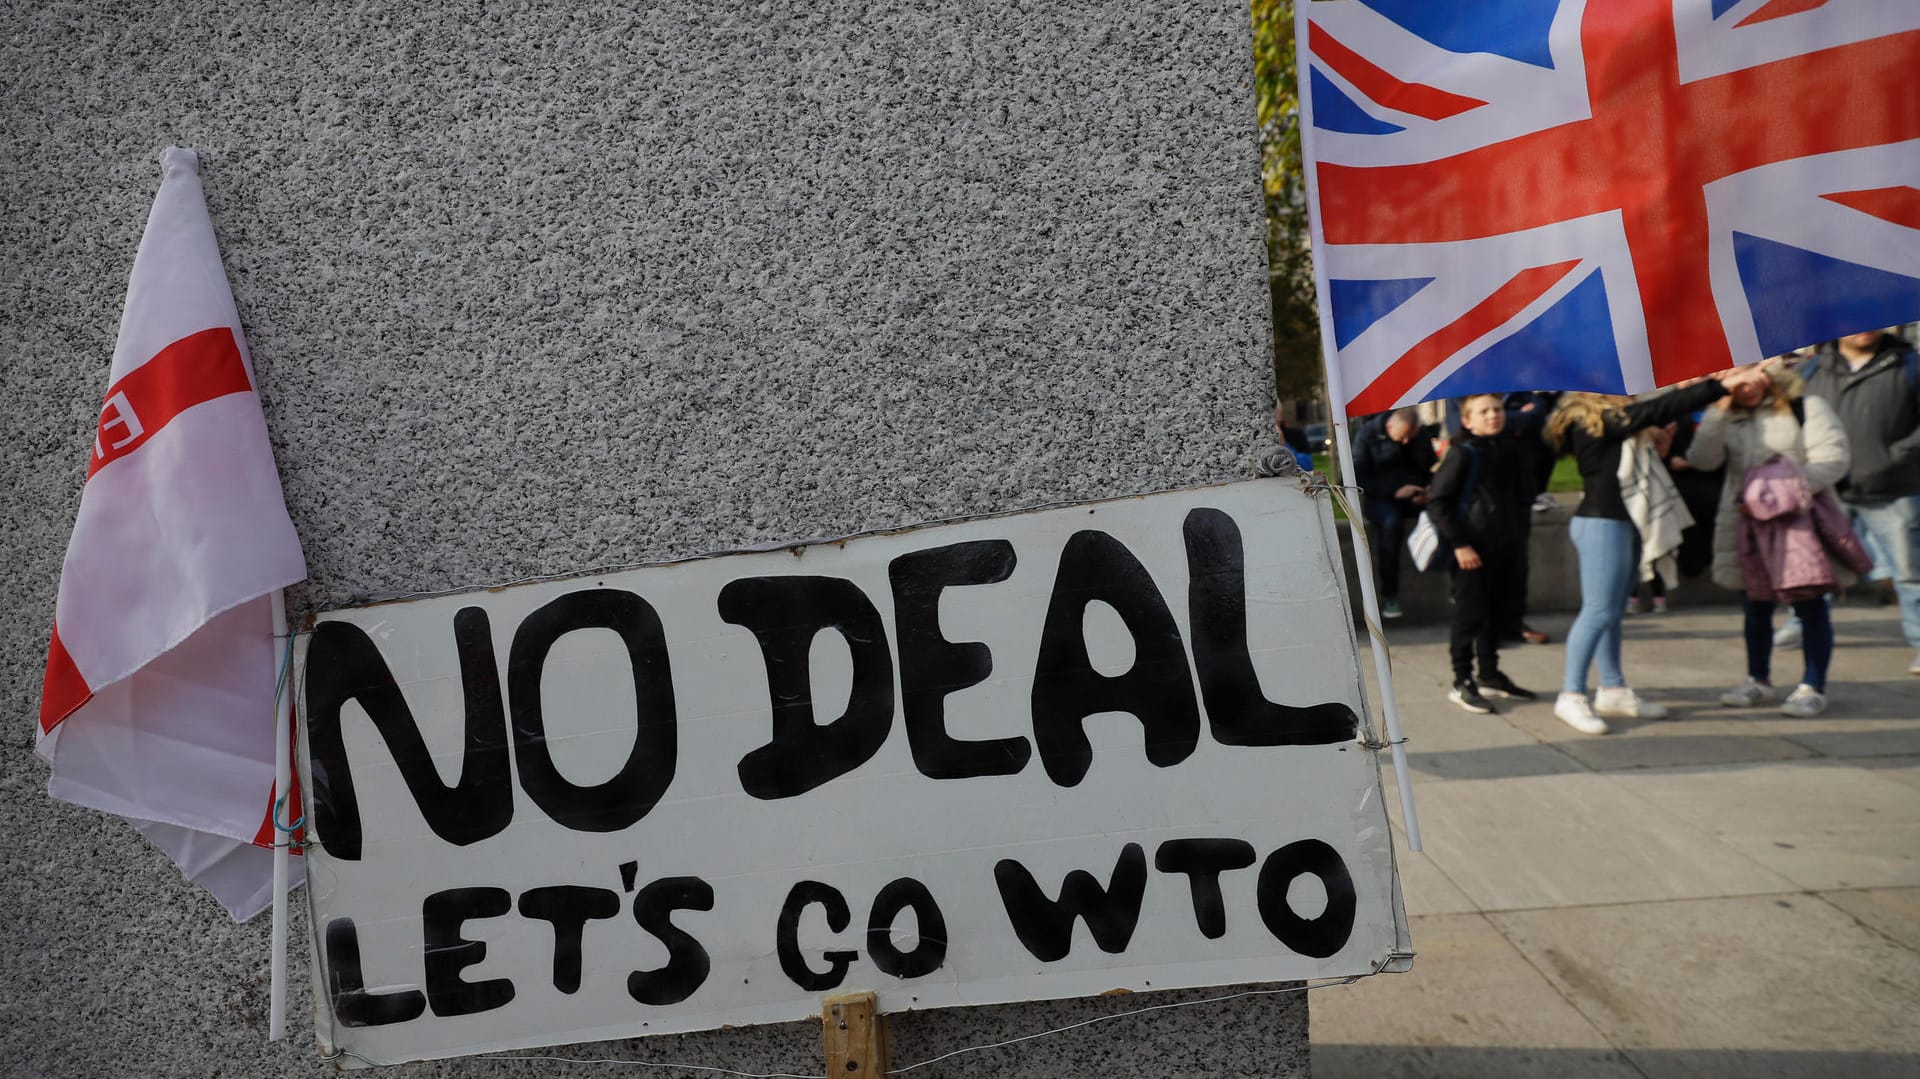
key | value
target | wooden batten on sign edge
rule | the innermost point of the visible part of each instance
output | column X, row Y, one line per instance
column 855, row 1036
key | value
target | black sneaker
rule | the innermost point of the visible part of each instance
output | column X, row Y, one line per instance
column 1499, row 685
column 1467, row 695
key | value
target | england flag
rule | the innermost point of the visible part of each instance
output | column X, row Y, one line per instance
column 158, row 703
column 1604, row 195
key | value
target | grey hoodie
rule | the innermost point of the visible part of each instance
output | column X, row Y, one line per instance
column 1879, row 406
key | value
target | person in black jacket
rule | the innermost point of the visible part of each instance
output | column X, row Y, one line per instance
column 1393, row 466
column 1593, row 427
column 1527, row 413
column 1479, row 502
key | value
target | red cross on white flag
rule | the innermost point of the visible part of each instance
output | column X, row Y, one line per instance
column 159, row 695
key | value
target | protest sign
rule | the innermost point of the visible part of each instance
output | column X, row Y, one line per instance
column 1114, row 745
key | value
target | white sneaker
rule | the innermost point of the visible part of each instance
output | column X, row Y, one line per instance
column 1747, row 694
column 1914, row 667
column 1788, row 635
column 1803, row 702
column 1624, row 702
column 1573, row 710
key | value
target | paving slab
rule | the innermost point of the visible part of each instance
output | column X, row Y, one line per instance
column 1683, row 740
column 1899, row 769
column 1854, row 737
column 1575, row 839
column 1825, row 995
column 1447, row 742
column 1472, row 1062
column 1425, row 887
column 1445, row 728
column 1488, row 762
column 1894, row 912
column 1822, row 824
column 1472, row 1006
column 1595, row 847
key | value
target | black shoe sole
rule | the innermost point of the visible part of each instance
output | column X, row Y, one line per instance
column 1503, row 695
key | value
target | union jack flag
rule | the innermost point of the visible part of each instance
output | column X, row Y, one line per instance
column 1605, row 195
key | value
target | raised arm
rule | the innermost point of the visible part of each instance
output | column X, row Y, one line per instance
column 1665, row 408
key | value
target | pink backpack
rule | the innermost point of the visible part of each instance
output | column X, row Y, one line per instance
column 1773, row 488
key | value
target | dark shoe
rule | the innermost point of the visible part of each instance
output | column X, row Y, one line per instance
column 1467, row 695
column 1498, row 684
column 1533, row 636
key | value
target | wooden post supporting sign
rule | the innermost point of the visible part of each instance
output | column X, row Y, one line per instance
column 856, row 1037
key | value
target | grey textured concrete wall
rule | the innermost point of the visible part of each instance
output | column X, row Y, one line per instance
column 539, row 290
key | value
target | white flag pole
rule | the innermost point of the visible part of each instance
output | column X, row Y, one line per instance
column 1337, row 398
column 282, row 783
column 1370, row 607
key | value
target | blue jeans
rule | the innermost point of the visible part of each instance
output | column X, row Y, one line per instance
column 1891, row 530
column 1609, row 553
column 1816, row 641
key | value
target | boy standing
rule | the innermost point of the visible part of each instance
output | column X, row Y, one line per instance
column 1480, row 501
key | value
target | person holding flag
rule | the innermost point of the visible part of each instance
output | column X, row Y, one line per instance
column 1593, row 428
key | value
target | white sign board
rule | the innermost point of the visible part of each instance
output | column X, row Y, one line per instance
column 1112, row 745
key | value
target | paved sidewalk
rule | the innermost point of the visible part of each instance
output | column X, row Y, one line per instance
column 1732, row 892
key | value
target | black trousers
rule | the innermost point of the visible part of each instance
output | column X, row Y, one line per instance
column 1513, row 619
column 1485, row 601
column 1392, row 520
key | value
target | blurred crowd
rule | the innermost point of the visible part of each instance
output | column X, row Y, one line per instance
column 1787, row 482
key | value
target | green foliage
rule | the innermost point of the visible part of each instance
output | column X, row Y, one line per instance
column 1296, row 321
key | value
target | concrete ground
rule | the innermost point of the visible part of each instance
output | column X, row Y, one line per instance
column 1731, row 892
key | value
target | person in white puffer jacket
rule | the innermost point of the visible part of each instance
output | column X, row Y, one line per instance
column 1754, row 422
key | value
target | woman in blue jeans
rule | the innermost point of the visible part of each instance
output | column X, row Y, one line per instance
column 1592, row 428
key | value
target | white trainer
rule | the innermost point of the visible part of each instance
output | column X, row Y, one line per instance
column 1747, row 694
column 1623, row 702
column 1804, row 702
column 1914, row 667
column 1788, row 635
column 1573, row 710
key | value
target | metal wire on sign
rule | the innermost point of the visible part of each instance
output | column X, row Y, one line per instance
column 1339, row 494
column 286, row 830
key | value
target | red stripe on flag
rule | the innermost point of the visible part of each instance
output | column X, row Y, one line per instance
column 1900, row 205
column 193, row 370
column 1507, row 301
column 1418, row 98
column 64, row 690
column 1780, row 9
